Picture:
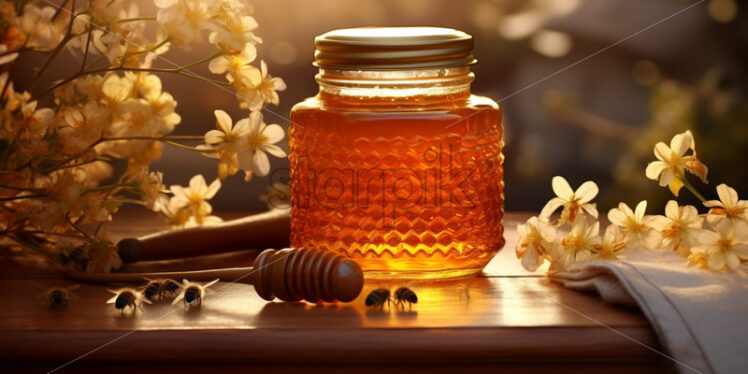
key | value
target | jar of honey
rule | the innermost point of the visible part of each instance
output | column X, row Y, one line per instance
column 394, row 163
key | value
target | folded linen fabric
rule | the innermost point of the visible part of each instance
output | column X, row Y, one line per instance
column 700, row 316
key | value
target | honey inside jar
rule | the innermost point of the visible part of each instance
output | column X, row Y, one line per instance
column 398, row 166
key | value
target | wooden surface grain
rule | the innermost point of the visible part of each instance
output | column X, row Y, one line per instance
column 504, row 318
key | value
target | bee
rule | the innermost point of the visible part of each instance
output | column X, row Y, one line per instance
column 156, row 289
column 127, row 297
column 378, row 297
column 405, row 295
column 77, row 259
column 59, row 297
column 192, row 293
column 170, row 287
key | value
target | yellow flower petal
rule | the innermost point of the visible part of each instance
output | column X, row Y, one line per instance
column 675, row 186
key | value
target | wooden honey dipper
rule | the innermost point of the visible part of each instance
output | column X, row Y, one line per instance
column 288, row 274
column 270, row 229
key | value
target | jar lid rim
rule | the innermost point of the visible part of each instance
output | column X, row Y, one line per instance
column 393, row 48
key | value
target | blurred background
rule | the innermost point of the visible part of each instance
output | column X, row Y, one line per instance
column 576, row 102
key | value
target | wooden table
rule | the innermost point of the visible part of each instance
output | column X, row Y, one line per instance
column 505, row 319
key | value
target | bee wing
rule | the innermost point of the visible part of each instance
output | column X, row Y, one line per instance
column 72, row 287
column 178, row 298
column 113, row 291
column 73, row 296
column 143, row 299
column 211, row 283
column 112, row 299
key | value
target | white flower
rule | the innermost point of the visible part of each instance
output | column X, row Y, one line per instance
column 184, row 20
column 152, row 189
column 253, row 87
column 82, row 127
column 267, row 89
column 639, row 230
column 578, row 246
column 196, row 195
column 672, row 162
column 725, row 247
column 612, row 244
column 116, row 90
column 574, row 203
column 728, row 206
column 228, row 141
column 260, row 139
column 680, row 228
column 189, row 206
column 176, row 216
column 41, row 30
column 233, row 63
column 162, row 104
column 234, row 30
column 536, row 238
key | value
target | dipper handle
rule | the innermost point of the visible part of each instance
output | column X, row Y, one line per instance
column 270, row 229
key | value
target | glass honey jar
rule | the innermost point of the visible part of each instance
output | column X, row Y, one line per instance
column 394, row 163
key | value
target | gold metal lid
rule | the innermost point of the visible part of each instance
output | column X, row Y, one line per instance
column 393, row 48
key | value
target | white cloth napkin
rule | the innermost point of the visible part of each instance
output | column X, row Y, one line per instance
column 701, row 317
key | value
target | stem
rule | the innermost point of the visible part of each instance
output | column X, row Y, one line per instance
column 85, row 52
column 20, row 197
column 106, row 187
column 178, row 145
column 8, row 187
column 178, row 71
column 157, row 138
column 68, row 36
column 78, row 228
column 29, row 245
column 207, row 59
column 166, row 140
column 690, row 187
column 136, row 19
column 155, row 47
column 37, row 232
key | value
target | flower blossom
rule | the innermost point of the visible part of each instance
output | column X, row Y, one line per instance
column 536, row 238
column 612, row 244
column 574, row 203
column 234, row 30
column 185, row 20
column 729, row 206
column 672, row 162
column 196, row 195
column 245, row 145
column 680, row 228
column 40, row 28
column 228, row 142
column 638, row 229
column 578, row 246
column 725, row 247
